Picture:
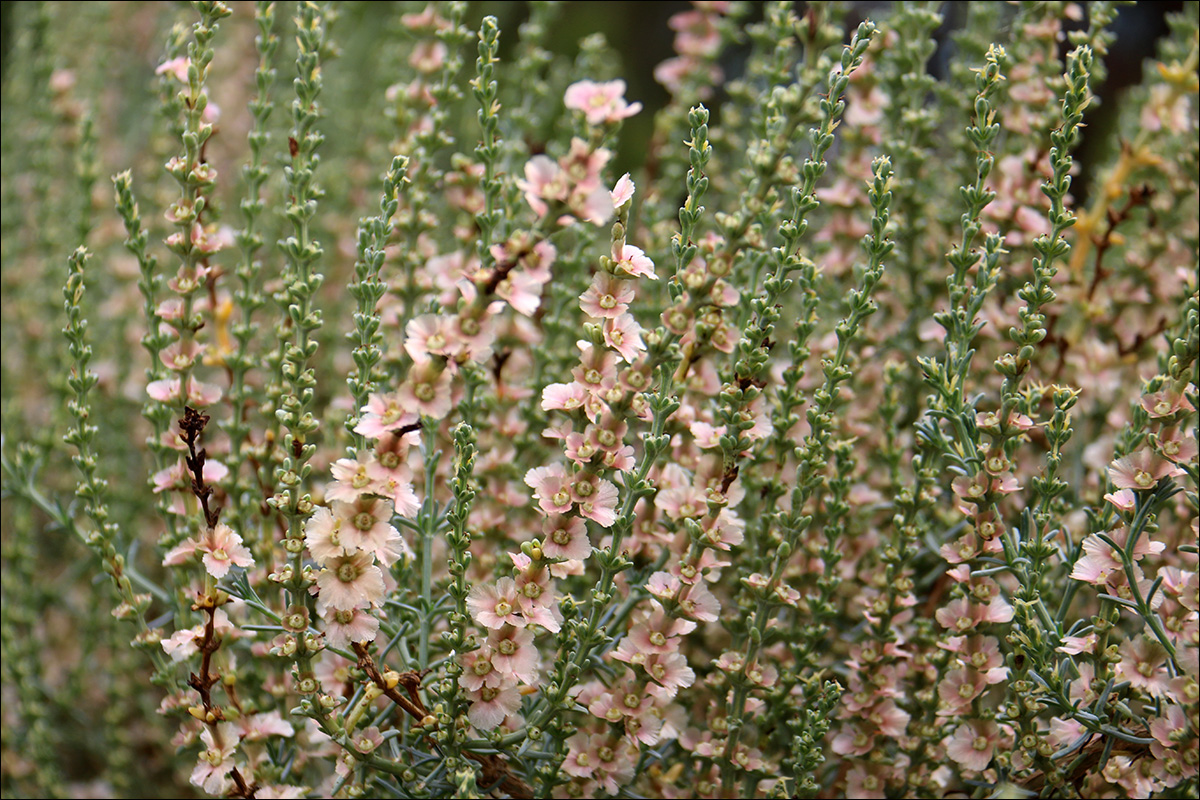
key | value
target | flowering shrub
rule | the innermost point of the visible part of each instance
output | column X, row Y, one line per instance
column 836, row 448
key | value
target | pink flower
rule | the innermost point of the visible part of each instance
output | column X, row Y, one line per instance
column 426, row 390
column 597, row 500
column 1144, row 664
column 216, row 760
column 177, row 68
column 565, row 537
column 624, row 335
column 384, row 413
column 494, row 606
column 582, row 759
column 395, row 485
column 607, row 298
column 221, row 547
column 622, row 193
column 563, row 397
column 199, row 394
column 1102, row 564
column 1177, row 447
column 552, row 487
column 600, row 102
column 958, row 689
column 634, row 262
column 478, row 670
column 345, row 626
column 972, row 745
column 368, row 528
column 1141, row 470
column 349, row 582
column 429, row 334
column 323, row 535
column 853, row 741
column 514, row 653
column 963, row 615
column 1123, row 499
column 700, row 604
column 544, row 180
column 491, row 705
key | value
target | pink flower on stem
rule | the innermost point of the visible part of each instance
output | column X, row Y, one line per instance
column 544, row 181
column 962, row 615
column 426, row 390
column 699, row 604
column 972, row 745
column 1144, row 664
column 600, row 102
column 429, row 335
column 349, row 582
column 177, row 68
column 367, row 527
column 624, row 335
column 1177, row 447
column 564, row 396
column 1141, row 471
column 342, row 627
column 552, row 486
column 1164, row 403
column 596, row 498
column 853, row 740
column 622, row 193
column 494, row 606
column 222, row 548
column 1101, row 563
column 632, row 261
column 385, row 413
column 490, row 705
column 565, row 537
column 478, row 670
column 216, row 760
column 513, row 653
column 607, row 298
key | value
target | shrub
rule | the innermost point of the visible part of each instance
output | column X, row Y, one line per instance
column 842, row 446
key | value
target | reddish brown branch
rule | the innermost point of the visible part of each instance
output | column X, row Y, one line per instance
column 192, row 425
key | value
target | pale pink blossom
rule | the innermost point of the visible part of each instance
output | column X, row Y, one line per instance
column 563, row 396
column 632, row 261
column 598, row 502
column 349, row 582
column 608, row 297
column 600, row 102
column 565, row 537
column 216, row 760
column 490, row 705
column 385, row 413
column 342, row 626
column 426, row 390
column 177, row 68
column 1141, row 470
column 496, row 605
column 552, row 486
column 513, row 653
column 972, row 745
column 395, row 485
column 624, row 335
column 221, row 549
column 544, row 181
column 478, row 670
column 622, row 193
column 367, row 527
column 1144, row 664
